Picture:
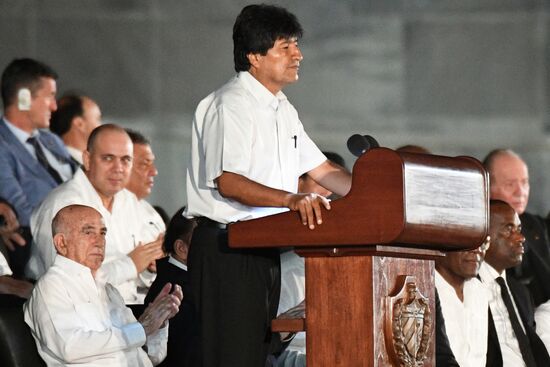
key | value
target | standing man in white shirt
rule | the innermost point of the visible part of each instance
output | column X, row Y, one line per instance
column 248, row 150
column 464, row 304
column 73, row 121
column 101, row 185
column 78, row 320
column 512, row 340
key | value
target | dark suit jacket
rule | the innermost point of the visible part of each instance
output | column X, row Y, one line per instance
column 183, row 327
column 526, row 311
column 24, row 182
column 534, row 270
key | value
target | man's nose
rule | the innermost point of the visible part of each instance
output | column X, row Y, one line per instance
column 298, row 54
column 153, row 171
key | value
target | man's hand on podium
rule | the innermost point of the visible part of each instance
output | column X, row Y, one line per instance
column 309, row 206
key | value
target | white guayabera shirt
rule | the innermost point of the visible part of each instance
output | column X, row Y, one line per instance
column 77, row 321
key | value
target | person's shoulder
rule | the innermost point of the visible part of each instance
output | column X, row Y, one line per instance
column 50, row 138
column 233, row 93
column 53, row 280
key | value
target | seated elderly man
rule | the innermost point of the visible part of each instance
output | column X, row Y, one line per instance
column 77, row 320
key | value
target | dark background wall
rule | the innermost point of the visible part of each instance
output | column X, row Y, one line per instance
column 458, row 77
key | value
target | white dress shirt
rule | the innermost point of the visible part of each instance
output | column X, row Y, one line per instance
column 75, row 153
column 542, row 319
column 511, row 354
column 244, row 129
column 127, row 225
column 77, row 321
column 4, row 266
column 466, row 322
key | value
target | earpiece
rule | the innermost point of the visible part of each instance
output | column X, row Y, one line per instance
column 24, row 99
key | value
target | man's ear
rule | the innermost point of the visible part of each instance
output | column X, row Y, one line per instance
column 78, row 123
column 254, row 59
column 181, row 248
column 86, row 160
column 60, row 244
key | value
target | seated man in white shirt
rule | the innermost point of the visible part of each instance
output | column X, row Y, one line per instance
column 464, row 304
column 512, row 339
column 107, row 166
column 76, row 319
column 142, row 179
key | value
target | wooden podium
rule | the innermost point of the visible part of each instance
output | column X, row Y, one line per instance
column 369, row 267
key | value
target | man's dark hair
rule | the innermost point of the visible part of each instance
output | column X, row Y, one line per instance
column 23, row 73
column 68, row 107
column 257, row 28
column 179, row 228
column 137, row 137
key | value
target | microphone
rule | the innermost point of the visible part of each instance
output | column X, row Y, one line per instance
column 372, row 141
column 359, row 144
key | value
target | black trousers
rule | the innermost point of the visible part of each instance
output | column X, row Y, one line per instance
column 235, row 294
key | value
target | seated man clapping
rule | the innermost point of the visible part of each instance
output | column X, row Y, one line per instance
column 75, row 319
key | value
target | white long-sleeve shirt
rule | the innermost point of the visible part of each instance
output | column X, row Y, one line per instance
column 77, row 321
column 128, row 224
column 466, row 322
column 509, row 346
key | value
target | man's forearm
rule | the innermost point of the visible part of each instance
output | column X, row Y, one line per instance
column 332, row 177
column 245, row 191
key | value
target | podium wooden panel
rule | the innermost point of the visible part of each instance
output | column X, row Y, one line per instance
column 369, row 267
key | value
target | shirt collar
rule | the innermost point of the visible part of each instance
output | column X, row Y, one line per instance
column 260, row 92
column 488, row 274
column 21, row 135
column 71, row 265
column 177, row 263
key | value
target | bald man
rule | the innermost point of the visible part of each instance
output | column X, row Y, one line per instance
column 77, row 319
column 509, row 178
column 130, row 249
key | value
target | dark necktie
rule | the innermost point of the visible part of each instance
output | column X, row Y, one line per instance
column 43, row 160
column 523, row 340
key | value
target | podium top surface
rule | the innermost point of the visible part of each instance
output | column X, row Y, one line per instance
column 416, row 200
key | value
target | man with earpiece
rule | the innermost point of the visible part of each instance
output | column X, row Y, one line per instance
column 33, row 160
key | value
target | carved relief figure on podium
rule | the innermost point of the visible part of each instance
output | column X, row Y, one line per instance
column 76, row 116
column 512, row 338
column 509, row 177
column 249, row 148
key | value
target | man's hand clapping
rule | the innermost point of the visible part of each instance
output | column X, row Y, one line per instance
column 164, row 307
column 144, row 255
